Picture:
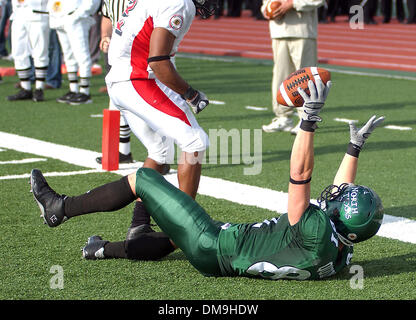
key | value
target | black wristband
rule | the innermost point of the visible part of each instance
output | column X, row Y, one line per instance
column 189, row 94
column 157, row 58
column 300, row 181
column 353, row 150
column 309, row 126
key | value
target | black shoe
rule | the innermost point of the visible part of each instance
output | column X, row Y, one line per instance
column 66, row 97
column 165, row 169
column 134, row 232
column 21, row 95
column 122, row 158
column 80, row 98
column 50, row 203
column 38, row 95
column 94, row 248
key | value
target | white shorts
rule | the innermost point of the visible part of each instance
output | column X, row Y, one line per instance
column 159, row 117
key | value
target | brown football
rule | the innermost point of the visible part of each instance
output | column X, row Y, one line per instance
column 271, row 6
column 288, row 94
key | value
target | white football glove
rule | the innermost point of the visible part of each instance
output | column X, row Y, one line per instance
column 358, row 136
column 313, row 104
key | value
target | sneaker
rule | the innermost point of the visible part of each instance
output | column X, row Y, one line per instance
column 279, row 124
column 38, row 95
column 94, row 248
column 21, row 95
column 295, row 129
column 80, row 98
column 122, row 158
column 66, row 97
column 134, row 232
column 51, row 204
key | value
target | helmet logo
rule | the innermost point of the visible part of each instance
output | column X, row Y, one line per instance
column 176, row 22
column 351, row 205
column 352, row 236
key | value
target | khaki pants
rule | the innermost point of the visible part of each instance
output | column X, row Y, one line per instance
column 290, row 55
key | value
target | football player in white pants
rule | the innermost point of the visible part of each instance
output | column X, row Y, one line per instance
column 72, row 20
column 154, row 99
column 30, row 38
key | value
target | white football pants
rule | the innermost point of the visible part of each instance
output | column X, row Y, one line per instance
column 74, row 39
column 158, row 117
column 30, row 38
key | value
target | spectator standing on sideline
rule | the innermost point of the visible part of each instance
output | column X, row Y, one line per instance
column 54, row 75
column 370, row 11
column 293, row 30
column 111, row 11
column 411, row 7
column 72, row 20
column 30, row 38
column 386, row 8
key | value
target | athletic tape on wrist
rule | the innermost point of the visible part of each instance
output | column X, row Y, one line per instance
column 309, row 126
column 190, row 93
column 353, row 150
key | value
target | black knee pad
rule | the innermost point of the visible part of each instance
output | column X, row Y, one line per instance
column 149, row 246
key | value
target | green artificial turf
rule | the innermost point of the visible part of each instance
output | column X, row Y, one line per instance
column 30, row 249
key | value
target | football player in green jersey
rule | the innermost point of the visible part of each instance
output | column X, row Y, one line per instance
column 308, row 242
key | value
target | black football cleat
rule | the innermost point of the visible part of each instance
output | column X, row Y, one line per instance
column 51, row 204
column 122, row 158
column 134, row 232
column 38, row 95
column 66, row 97
column 21, row 95
column 80, row 98
column 94, row 248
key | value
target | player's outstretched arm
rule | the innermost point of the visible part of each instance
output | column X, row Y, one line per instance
column 302, row 157
column 348, row 168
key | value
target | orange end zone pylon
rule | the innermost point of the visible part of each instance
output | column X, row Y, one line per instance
column 111, row 137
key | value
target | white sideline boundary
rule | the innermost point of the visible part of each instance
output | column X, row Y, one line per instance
column 393, row 227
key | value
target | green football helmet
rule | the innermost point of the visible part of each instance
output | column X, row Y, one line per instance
column 356, row 211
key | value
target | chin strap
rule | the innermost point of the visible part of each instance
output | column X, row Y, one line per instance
column 345, row 240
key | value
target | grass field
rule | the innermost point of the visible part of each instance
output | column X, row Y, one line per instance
column 29, row 249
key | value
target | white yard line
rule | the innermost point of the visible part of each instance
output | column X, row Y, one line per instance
column 28, row 160
column 393, row 227
column 401, row 128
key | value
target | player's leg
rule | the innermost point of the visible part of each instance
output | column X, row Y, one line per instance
column 39, row 41
column 160, row 150
column 282, row 67
column 78, row 33
column 146, row 246
column 178, row 215
column 21, row 56
column 160, row 154
column 56, row 208
column 71, row 65
column 169, row 115
column 181, row 218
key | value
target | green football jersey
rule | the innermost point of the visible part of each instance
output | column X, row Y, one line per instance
column 274, row 249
